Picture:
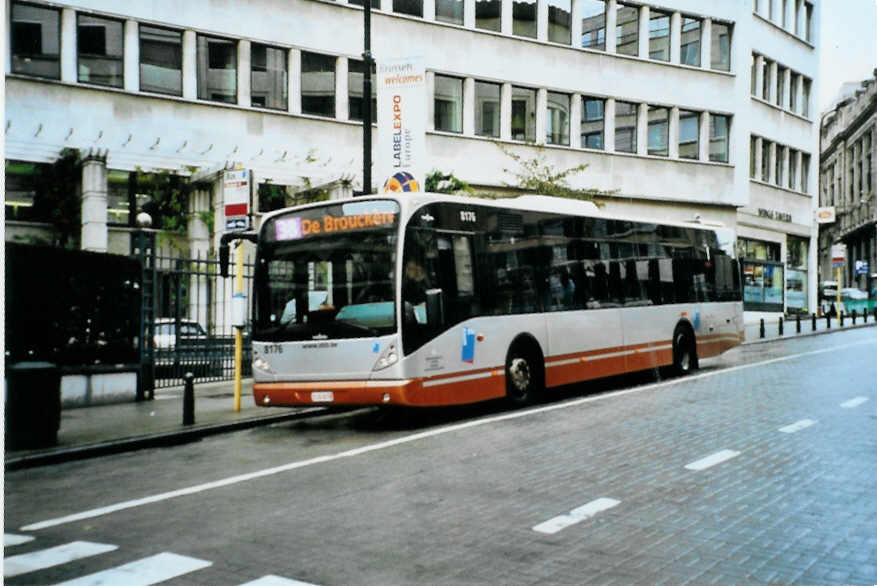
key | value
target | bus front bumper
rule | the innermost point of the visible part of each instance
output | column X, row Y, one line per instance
column 355, row 392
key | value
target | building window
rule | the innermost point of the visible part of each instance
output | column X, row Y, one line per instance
column 797, row 253
column 784, row 17
column 448, row 103
column 99, row 50
column 317, row 84
column 627, row 30
column 523, row 114
column 689, row 134
column 778, row 160
column 753, row 75
column 659, row 35
column 808, row 22
column 659, row 131
column 36, row 41
column 781, row 86
column 488, row 15
column 719, row 128
column 268, row 77
column 805, row 98
column 594, row 24
column 487, row 97
column 763, row 282
column 690, row 50
column 720, row 48
column 217, row 69
column 793, row 168
column 753, row 156
column 794, row 81
column 765, row 80
column 557, row 120
column 559, row 21
column 592, row 122
column 161, row 60
column 765, row 160
column 450, row 11
column 625, row 127
column 120, row 189
column 409, row 7
column 355, row 75
column 524, row 18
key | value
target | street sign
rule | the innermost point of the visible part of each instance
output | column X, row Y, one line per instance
column 861, row 267
column 236, row 194
column 234, row 224
column 838, row 255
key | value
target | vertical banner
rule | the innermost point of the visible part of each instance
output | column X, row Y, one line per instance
column 401, row 124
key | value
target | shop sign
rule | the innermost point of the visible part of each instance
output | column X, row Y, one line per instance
column 826, row 215
column 774, row 215
column 861, row 267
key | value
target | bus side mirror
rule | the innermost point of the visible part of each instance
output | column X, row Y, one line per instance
column 223, row 259
column 435, row 308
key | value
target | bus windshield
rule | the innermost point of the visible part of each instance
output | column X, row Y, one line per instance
column 327, row 273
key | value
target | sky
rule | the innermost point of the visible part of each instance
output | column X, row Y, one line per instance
column 849, row 45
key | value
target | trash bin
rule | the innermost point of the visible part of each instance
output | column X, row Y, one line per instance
column 33, row 405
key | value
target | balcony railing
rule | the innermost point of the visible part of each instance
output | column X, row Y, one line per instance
column 854, row 218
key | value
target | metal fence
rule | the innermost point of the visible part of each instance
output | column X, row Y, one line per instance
column 187, row 318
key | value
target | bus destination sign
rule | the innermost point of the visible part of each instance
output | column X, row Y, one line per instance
column 296, row 228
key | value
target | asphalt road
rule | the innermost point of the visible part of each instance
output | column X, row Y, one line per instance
column 762, row 468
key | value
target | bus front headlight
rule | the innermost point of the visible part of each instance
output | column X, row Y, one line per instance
column 260, row 363
column 389, row 357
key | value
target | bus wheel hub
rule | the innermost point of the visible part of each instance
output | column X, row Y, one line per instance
column 519, row 371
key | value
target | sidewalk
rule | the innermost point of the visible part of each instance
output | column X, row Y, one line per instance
column 92, row 431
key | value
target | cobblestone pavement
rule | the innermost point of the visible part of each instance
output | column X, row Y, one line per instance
column 760, row 469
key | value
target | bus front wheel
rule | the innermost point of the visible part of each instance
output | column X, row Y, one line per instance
column 524, row 378
column 684, row 352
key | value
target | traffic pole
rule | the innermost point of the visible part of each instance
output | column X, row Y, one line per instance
column 239, row 334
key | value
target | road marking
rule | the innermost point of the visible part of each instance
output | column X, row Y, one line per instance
column 712, row 460
column 10, row 539
column 853, row 403
column 577, row 515
column 797, row 426
column 151, row 570
column 276, row 581
column 413, row 438
column 54, row 556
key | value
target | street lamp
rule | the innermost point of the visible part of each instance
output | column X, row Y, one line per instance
column 367, row 100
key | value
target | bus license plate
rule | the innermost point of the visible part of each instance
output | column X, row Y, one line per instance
column 322, row 396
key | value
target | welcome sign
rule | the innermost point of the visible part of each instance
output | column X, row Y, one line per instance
column 401, row 124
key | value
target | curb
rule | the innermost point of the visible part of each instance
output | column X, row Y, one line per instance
column 163, row 439
column 794, row 336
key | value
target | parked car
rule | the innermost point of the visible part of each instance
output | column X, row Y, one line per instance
column 193, row 351
column 166, row 332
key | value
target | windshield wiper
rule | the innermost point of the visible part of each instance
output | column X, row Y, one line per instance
column 356, row 326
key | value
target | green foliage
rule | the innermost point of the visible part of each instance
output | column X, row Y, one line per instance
column 535, row 175
column 58, row 198
column 438, row 182
column 309, row 194
column 168, row 200
column 271, row 197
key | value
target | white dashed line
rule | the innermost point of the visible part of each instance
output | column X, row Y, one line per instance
column 712, row 460
column 853, row 403
column 577, row 515
column 797, row 426
column 151, row 570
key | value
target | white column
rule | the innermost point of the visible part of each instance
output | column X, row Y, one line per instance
column 541, row 114
column 199, row 247
column 132, row 56
column 673, row 134
column 787, row 88
column 506, row 17
column 430, row 101
column 469, row 13
column 190, row 65
column 575, row 29
column 94, row 201
column 706, row 43
column 244, row 77
column 429, row 10
column 611, row 23
column 759, row 144
column 609, row 125
column 294, row 81
column 342, row 111
column 772, row 170
column 772, row 86
column 759, row 75
column 675, row 37
column 575, row 121
column 785, row 167
column 801, row 19
column 505, row 111
column 642, row 129
column 542, row 20
column 799, row 167
column 68, row 46
column 644, row 32
column 469, row 106
column 703, row 141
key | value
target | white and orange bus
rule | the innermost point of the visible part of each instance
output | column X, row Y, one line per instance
column 428, row 299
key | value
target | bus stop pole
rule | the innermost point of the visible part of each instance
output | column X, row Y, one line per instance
column 239, row 334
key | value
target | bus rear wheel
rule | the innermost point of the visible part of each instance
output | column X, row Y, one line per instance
column 684, row 352
column 524, row 379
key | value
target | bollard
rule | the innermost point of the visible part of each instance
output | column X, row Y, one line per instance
column 797, row 323
column 854, row 316
column 828, row 321
column 781, row 325
column 841, row 319
column 875, row 314
column 761, row 329
column 189, row 399
column 813, row 325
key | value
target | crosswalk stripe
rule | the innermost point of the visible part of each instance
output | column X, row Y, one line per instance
column 151, row 570
column 10, row 539
column 54, row 556
column 276, row 581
